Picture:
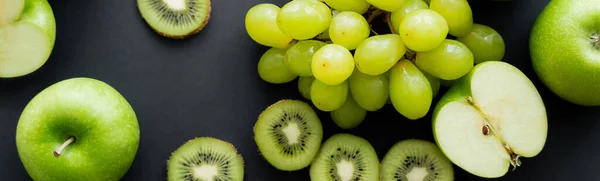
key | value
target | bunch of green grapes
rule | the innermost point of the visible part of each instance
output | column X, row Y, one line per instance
column 346, row 68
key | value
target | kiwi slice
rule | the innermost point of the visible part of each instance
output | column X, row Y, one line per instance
column 415, row 160
column 345, row 157
column 205, row 159
column 288, row 134
column 175, row 18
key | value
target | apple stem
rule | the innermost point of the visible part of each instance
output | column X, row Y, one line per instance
column 59, row 150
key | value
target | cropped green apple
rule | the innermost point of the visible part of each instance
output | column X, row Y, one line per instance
column 27, row 36
column 77, row 129
column 490, row 118
column 565, row 50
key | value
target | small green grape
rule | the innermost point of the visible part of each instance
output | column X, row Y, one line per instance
column 485, row 43
column 410, row 5
column 434, row 82
column 358, row 6
column 410, row 91
column 349, row 29
column 328, row 97
column 332, row 64
column 371, row 92
column 387, row 5
column 457, row 13
column 423, row 30
column 299, row 57
column 272, row 69
column 451, row 60
column 350, row 115
column 304, row 19
column 262, row 27
column 377, row 54
column 304, row 84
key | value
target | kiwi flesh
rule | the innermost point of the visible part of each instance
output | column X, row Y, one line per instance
column 415, row 160
column 205, row 159
column 176, row 19
column 288, row 134
column 345, row 157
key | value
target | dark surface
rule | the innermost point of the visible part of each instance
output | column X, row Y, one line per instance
column 207, row 85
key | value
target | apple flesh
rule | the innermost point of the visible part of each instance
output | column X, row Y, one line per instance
column 77, row 129
column 27, row 36
column 489, row 119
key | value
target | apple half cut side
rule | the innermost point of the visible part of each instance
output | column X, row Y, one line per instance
column 489, row 119
column 26, row 36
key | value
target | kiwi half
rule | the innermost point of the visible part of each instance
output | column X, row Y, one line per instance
column 345, row 157
column 205, row 159
column 288, row 134
column 175, row 18
column 415, row 160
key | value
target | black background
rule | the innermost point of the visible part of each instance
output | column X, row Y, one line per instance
column 207, row 85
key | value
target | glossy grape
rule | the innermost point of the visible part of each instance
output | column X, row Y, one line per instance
column 457, row 14
column 410, row 5
column 358, row 6
column 350, row 115
column 451, row 60
column 328, row 97
column 332, row 64
column 485, row 43
column 299, row 57
column 304, row 84
column 387, row 5
column 304, row 19
column 349, row 29
column 261, row 26
column 272, row 69
column 371, row 92
column 377, row 54
column 423, row 30
column 434, row 82
column 410, row 92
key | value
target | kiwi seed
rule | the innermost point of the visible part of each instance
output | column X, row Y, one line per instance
column 288, row 134
column 175, row 18
column 205, row 159
column 345, row 157
column 415, row 160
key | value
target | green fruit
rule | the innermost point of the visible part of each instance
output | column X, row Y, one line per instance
column 350, row 115
column 489, row 119
column 175, row 19
column 414, row 159
column 27, row 36
column 565, row 50
column 288, row 134
column 304, row 84
column 205, row 158
column 77, row 129
column 410, row 91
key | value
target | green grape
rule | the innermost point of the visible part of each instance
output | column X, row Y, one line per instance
column 423, row 30
column 350, row 115
column 457, row 14
column 349, row 29
column 358, row 6
column 410, row 92
column 451, row 60
column 410, row 5
column 332, row 64
column 377, row 54
column 434, row 82
column 299, row 57
column 272, row 69
column 371, row 92
column 261, row 26
column 485, row 43
column 328, row 97
column 387, row 5
column 304, row 84
column 304, row 19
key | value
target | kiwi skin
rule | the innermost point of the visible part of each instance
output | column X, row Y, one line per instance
column 171, row 162
column 267, row 145
column 196, row 31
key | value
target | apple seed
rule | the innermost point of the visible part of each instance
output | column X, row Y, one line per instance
column 59, row 150
column 486, row 129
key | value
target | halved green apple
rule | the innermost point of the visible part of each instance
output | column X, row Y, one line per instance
column 27, row 36
column 489, row 119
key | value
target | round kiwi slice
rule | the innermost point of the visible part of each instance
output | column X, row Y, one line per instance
column 175, row 18
column 415, row 160
column 288, row 134
column 345, row 157
column 205, row 159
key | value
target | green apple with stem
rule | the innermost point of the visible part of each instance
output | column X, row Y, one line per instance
column 489, row 119
column 77, row 129
column 565, row 50
column 27, row 36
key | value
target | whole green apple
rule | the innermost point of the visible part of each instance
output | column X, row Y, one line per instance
column 77, row 129
column 27, row 36
column 565, row 50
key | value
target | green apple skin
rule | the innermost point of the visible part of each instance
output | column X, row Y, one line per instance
column 562, row 52
column 39, row 12
column 102, row 121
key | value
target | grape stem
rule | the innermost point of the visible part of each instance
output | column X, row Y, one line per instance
column 374, row 14
column 388, row 19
